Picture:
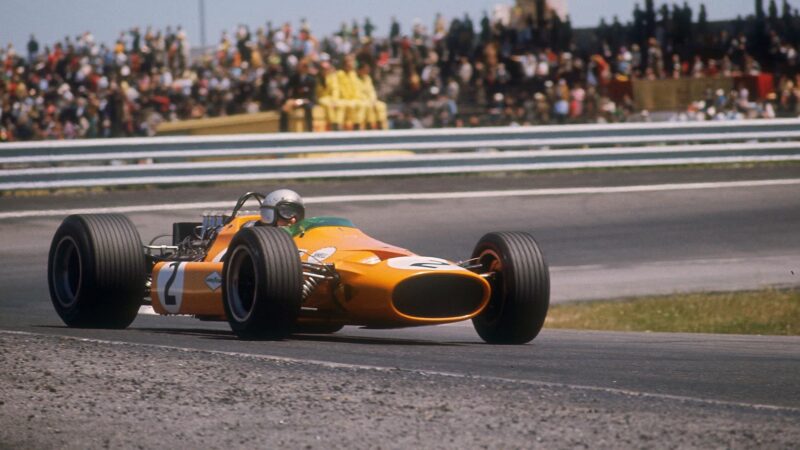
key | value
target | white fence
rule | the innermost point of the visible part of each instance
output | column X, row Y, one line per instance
column 180, row 160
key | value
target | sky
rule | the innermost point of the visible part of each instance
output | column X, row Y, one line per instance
column 51, row 20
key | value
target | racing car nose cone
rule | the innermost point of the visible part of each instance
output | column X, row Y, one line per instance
column 437, row 296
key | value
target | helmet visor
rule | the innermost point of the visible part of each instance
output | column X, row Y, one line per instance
column 289, row 211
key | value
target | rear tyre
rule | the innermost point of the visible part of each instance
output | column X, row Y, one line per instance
column 96, row 271
column 520, row 288
column 262, row 283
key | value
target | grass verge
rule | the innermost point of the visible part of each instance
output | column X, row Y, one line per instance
column 770, row 311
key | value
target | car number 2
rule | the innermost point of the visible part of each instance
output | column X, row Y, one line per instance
column 431, row 264
column 170, row 286
column 421, row 263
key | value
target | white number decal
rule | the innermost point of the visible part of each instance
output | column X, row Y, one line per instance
column 170, row 286
column 421, row 263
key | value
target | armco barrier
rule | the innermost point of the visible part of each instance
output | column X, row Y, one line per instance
column 177, row 160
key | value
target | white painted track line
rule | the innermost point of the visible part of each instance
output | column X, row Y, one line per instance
column 416, row 196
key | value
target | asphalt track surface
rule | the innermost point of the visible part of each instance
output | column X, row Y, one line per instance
column 598, row 246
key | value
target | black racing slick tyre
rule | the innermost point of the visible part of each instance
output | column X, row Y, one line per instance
column 262, row 283
column 96, row 271
column 520, row 282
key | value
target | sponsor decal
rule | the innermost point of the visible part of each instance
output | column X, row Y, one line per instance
column 170, row 286
column 214, row 281
column 421, row 263
column 322, row 254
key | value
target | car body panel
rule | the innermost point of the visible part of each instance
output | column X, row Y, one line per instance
column 379, row 285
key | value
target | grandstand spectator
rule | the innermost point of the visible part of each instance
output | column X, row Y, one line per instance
column 33, row 49
column 329, row 95
column 394, row 36
column 301, row 92
column 374, row 109
column 350, row 97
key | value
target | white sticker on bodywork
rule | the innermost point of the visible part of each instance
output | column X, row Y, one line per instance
column 322, row 254
column 421, row 263
column 170, row 286
column 214, row 281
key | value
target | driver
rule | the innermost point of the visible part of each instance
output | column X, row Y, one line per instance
column 282, row 207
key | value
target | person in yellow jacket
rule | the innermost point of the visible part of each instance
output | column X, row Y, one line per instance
column 329, row 96
column 354, row 106
column 374, row 109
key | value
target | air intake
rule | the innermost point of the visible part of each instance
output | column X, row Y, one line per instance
column 437, row 296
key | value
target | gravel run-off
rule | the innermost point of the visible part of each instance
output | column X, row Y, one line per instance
column 60, row 392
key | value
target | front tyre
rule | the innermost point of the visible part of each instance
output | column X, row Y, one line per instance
column 96, row 271
column 262, row 283
column 520, row 282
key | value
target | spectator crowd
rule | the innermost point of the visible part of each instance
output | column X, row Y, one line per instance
column 522, row 68
column 535, row 69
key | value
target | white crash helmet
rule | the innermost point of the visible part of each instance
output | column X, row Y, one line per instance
column 283, row 203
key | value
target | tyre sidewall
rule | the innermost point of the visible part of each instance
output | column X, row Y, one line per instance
column 112, row 276
column 272, row 317
column 524, row 302
column 82, row 311
column 486, row 326
column 245, row 328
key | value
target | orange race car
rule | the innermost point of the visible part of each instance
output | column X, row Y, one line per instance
column 314, row 276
